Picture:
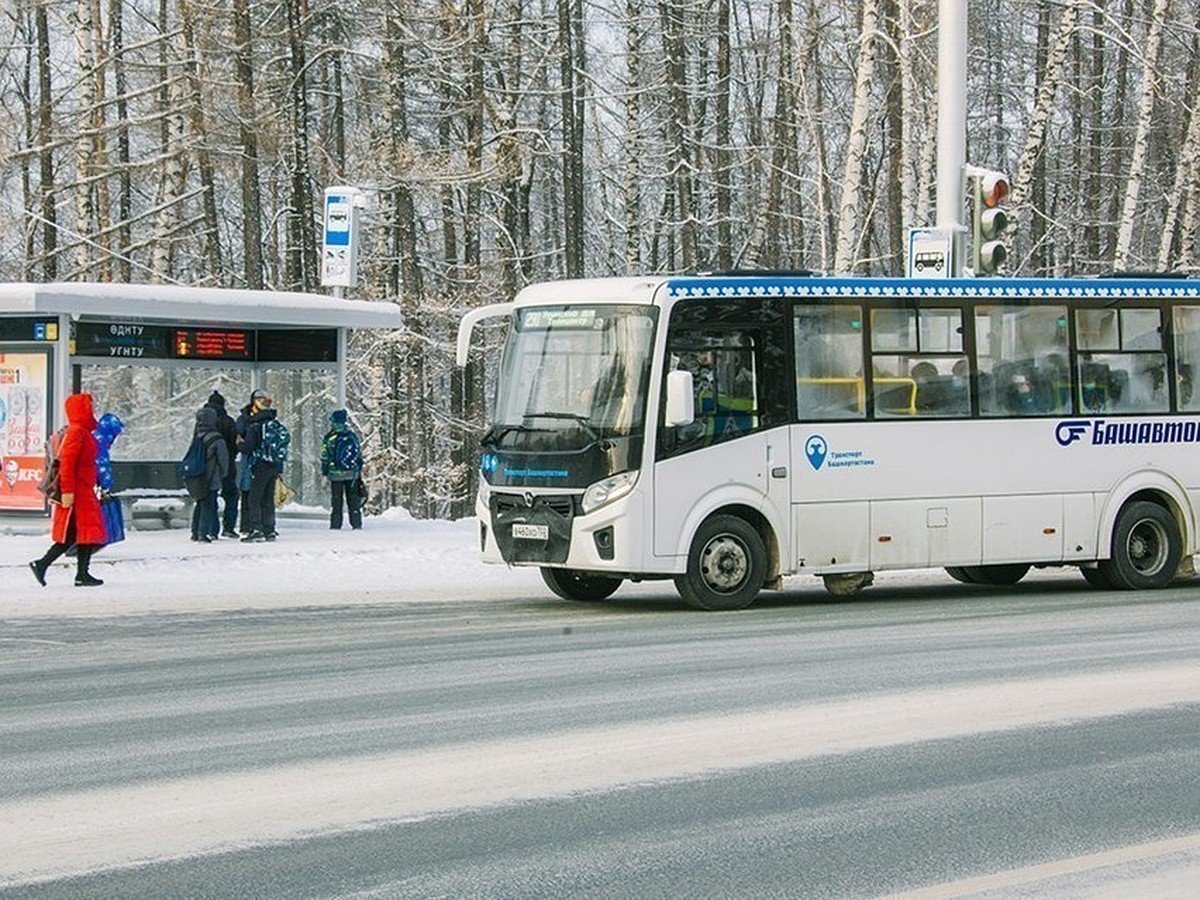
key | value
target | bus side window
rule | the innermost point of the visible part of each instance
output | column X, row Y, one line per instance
column 829, row 362
column 725, row 386
column 1186, row 326
column 1021, row 356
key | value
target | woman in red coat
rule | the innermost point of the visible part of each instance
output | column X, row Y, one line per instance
column 77, row 519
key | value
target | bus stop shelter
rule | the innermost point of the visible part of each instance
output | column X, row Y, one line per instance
column 153, row 354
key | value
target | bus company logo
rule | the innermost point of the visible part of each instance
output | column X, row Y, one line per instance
column 1103, row 432
column 1068, row 433
column 816, row 449
column 488, row 463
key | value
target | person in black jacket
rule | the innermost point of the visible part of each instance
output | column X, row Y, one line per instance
column 216, row 467
column 230, row 494
column 259, row 522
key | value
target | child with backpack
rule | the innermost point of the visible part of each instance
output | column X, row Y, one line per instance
column 341, row 463
column 264, row 449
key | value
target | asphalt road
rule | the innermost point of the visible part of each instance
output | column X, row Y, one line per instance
column 928, row 737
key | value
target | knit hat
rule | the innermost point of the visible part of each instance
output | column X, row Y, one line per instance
column 216, row 399
column 338, row 417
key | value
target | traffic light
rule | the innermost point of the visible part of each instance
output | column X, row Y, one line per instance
column 989, row 219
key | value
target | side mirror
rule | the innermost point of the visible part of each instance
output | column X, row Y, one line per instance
column 681, row 402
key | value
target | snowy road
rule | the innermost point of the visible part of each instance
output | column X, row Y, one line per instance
column 927, row 734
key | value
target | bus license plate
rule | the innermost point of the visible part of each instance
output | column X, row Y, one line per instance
column 525, row 531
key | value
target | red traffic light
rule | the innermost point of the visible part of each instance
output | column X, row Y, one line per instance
column 994, row 189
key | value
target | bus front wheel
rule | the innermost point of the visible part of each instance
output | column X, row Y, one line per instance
column 1146, row 547
column 571, row 584
column 727, row 565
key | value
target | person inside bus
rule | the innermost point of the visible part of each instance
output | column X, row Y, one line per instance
column 1183, row 385
column 1022, row 401
column 704, row 383
column 1093, row 386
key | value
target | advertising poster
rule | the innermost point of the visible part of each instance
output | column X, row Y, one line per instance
column 24, row 392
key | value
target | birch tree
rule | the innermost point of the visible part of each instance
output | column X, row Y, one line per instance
column 849, row 237
column 1141, row 141
column 1050, row 78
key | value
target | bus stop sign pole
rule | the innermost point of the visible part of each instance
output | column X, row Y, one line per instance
column 339, row 246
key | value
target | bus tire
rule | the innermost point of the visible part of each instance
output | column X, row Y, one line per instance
column 998, row 575
column 583, row 587
column 959, row 573
column 727, row 565
column 1146, row 547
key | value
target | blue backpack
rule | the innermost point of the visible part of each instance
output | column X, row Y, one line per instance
column 275, row 442
column 192, row 468
column 192, row 464
column 346, row 455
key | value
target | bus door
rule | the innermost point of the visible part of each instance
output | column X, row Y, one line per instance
column 725, row 455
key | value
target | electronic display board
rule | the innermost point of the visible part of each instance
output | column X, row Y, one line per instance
column 297, row 344
column 25, row 328
column 213, row 343
column 135, row 340
column 126, row 340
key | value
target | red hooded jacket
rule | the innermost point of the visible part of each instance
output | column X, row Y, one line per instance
column 77, row 475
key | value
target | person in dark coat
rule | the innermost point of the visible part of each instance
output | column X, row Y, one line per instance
column 77, row 518
column 230, row 493
column 240, row 424
column 205, row 523
column 259, row 523
column 341, row 463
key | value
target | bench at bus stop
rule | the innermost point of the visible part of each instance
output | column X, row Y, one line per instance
column 152, row 494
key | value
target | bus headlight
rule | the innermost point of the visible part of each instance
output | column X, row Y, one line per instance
column 608, row 490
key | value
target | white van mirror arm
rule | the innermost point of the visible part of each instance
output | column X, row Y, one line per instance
column 468, row 323
column 681, row 408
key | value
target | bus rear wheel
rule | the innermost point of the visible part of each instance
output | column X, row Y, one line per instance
column 585, row 587
column 1146, row 547
column 727, row 565
column 995, row 576
column 959, row 573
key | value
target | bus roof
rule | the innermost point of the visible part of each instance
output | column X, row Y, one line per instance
column 644, row 289
column 1100, row 288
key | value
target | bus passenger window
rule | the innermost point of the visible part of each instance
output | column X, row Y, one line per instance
column 1123, row 382
column 1022, row 360
column 829, row 362
column 1187, row 356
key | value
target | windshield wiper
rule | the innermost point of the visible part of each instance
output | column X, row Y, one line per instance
column 496, row 433
column 583, row 421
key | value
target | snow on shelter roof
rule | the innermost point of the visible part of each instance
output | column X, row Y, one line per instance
column 179, row 303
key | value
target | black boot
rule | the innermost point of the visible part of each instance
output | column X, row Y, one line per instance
column 39, row 571
column 83, row 578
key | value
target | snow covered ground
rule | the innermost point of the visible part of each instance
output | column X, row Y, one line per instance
column 394, row 554
column 165, row 571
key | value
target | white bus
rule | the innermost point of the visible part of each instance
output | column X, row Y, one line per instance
column 727, row 431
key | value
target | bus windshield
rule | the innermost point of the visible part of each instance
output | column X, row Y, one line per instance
column 577, row 372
